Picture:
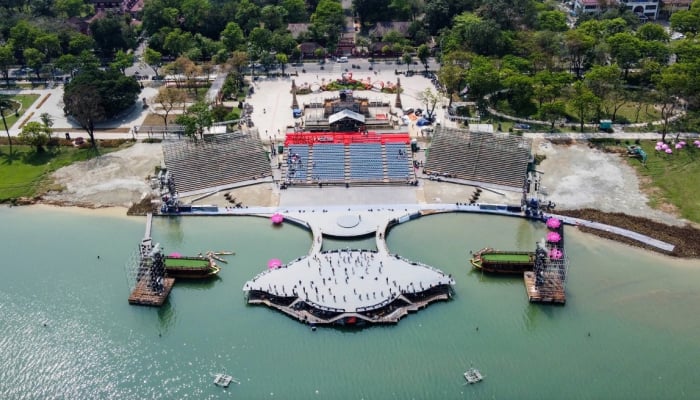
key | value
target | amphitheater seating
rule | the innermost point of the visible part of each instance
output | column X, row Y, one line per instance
column 482, row 157
column 328, row 164
column 219, row 160
column 297, row 163
column 398, row 161
column 366, row 162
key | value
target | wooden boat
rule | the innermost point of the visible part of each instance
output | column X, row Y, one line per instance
column 472, row 375
column 503, row 262
column 190, row 267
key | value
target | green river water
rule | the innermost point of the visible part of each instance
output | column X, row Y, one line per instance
column 639, row 308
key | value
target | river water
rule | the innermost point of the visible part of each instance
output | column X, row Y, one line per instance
column 628, row 331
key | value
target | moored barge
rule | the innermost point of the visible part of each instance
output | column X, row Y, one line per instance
column 191, row 267
column 503, row 262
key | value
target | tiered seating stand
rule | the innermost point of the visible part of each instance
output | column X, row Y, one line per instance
column 498, row 159
column 218, row 160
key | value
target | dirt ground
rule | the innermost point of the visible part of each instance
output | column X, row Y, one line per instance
column 115, row 179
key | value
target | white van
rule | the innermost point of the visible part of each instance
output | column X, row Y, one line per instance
column 342, row 59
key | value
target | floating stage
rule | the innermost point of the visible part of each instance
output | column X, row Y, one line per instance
column 144, row 295
column 349, row 287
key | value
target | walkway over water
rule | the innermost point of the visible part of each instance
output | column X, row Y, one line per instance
column 333, row 220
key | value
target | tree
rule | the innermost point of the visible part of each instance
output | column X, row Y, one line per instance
column 7, row 59
column 168, row 98
column 406, row 9
column 554, row 21
column 282, row 60
column 482, row 36
column 687, row 21
column 178, row 42
column 196, row 120
column 49, row 45
column 430, row 99
column 407, row 59
column 672, row 84
column 552, row 111
column 482, row 78
column 273, row 17
column 46, row 119
column 423, row 52
column 79, row 43
column 111, row 34
column 35, row 134
column 626, row 49
column 34, row 59
column 194, row 13
column 122, row 61
column 232, row 36
column 261, row 39
column 72, row 8
column 184, row 70
column 327, row 22
column 452, row 77
column 520, row 90
column 606, row 83
column 578, row 44
column 249, row 15
column 651, row 31
column 6, row 104
column 296, row 10
column 83, row 102
column 153, row 59
column 95, row 95
column 583, row 101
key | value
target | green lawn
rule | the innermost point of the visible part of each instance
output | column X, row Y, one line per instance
column 25, row 173
column 186, row 262
column 508, row 257
column 27, row 100
column 677, row 177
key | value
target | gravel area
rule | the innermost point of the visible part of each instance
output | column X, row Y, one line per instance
column 577, row 177
column 114, row 179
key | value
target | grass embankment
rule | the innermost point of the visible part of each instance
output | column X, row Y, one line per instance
column 672, row 179
column 25, row 173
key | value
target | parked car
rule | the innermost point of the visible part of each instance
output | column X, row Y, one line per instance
column 521, row 126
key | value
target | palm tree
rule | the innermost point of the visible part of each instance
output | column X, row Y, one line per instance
column 6, row 104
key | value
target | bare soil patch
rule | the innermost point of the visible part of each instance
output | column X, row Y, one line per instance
column 686, row 238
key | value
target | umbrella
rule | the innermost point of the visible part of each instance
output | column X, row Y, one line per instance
column 553, row 223
column 679, row 146
column 175, row 255
column 669, row 151
column 553, row 237
column 274, row 263
column 277, row 218
column 555, row 254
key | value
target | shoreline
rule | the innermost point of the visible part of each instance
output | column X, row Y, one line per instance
column 686, row 238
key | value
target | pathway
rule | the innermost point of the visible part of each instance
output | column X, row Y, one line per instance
column 359, row 220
